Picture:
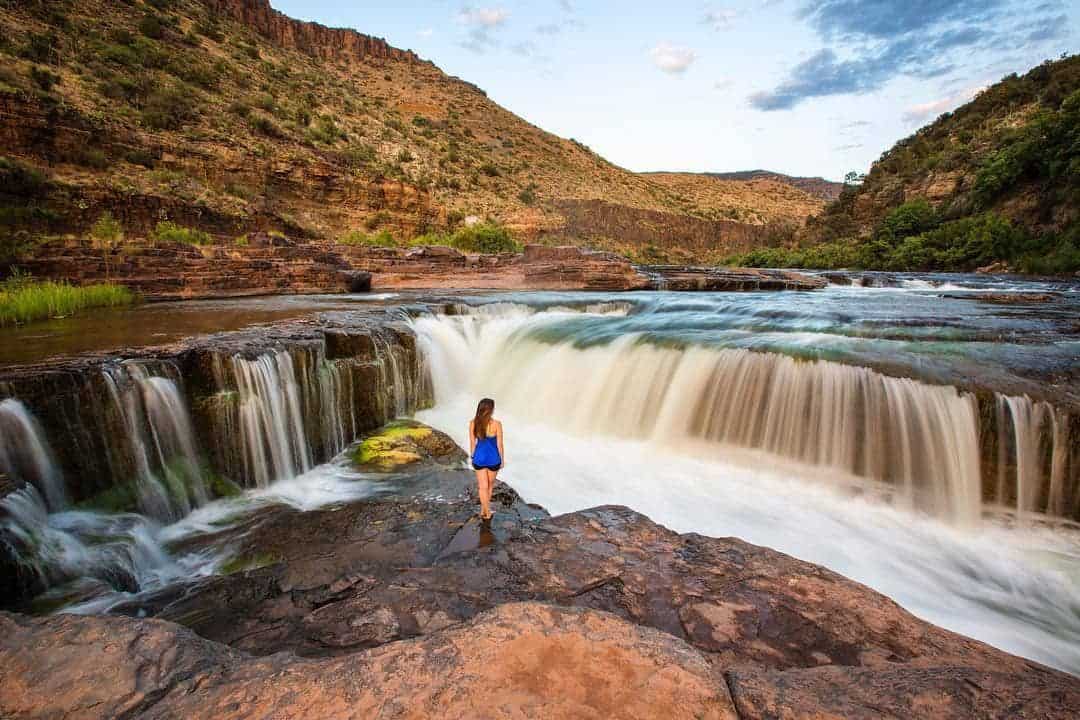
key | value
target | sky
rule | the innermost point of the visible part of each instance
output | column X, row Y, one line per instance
column 804, row 87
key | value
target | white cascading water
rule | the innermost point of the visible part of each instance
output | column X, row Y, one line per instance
column 25, row 456
column 168, row 473
column 1027, row 426
column 752, row 445
column 921, row 439
column 60, row 544
column 271, row 418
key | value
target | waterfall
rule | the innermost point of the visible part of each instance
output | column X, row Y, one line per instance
column 53, row 544
column 1034, row 457
column 920, row 440
column 25, row 455
column 271, row 420
column 168, row 472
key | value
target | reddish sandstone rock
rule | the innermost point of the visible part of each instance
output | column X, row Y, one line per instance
column 517, row 661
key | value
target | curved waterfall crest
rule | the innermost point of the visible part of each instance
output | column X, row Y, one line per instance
column 925, row 442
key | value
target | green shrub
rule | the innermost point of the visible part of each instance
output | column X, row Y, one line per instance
column 141, row 156
column 404, row 156
column 152, row 27
column 359, row 155
column 528, row 194
column 40, row 47
column 107, row 232
column 21, row 180
column 490, row 169
column 171, row 232
column 383, row 238
column 90, row 157
column 266, row 126
column 44, row 79
column 325, row 131
column 911, row 218
column 168, row 109
column 484, row 238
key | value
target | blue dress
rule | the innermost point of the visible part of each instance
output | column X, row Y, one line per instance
column 486, row 454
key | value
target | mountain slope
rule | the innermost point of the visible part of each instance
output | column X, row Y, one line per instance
column 817, row 186
column 228, row 116
column 996, row 181
column 757, row 199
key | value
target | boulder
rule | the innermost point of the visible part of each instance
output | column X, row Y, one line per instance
column 357, row 281
column 403, row 443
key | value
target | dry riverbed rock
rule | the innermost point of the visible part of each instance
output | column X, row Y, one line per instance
column 516, row 661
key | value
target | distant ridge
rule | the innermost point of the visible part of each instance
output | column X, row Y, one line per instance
column 817, row 186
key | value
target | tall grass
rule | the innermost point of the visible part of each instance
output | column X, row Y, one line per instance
column 24, row 301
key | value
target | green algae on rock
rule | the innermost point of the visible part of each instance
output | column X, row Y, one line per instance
column 405, row 442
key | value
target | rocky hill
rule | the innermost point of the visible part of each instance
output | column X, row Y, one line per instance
column 994, row 183
column 758, row 200
column 817, row 186
column 229, row 117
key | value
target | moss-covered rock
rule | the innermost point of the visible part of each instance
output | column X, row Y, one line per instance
column 240, row 563
column 403, row 443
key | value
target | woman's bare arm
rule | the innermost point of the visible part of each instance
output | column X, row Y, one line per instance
column 472, row 440
column 499, row 440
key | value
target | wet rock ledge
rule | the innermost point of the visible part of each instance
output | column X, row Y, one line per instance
column 404, row 606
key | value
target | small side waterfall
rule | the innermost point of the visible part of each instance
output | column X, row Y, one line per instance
column 271, row 421
column 168, row 472
column 25, row 455
column 1035, row 457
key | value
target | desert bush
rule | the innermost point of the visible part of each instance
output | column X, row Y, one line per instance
column 484, row 238
column 166, row 231
column 152, row 27
column 43, row 78
column 168, row 108
column 21, row 180
column 383, row 238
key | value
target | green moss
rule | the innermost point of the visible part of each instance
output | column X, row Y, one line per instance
column 119, row 498
column 391, row 447
column 222, row 486
column 242, row 563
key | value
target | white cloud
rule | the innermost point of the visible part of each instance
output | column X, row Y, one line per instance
column 723, row 83
column 720, row 19
column 426, row 32
column 484, row 17
column 925, row 111
column 672, row 58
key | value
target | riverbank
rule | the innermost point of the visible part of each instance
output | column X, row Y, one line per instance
column 273, row 264
column 404, row 603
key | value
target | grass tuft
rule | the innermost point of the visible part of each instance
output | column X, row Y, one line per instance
column 24, row 301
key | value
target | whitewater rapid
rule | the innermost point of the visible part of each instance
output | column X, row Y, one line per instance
column 573, row 443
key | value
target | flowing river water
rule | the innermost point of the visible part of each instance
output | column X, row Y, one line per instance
column 911, row 437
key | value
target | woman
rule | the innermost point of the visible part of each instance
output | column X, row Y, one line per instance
column 486, row 449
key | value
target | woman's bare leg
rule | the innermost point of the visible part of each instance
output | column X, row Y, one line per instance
column 485, row 497
column 489, row 477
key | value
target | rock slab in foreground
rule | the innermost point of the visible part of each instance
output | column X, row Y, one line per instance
column 516, row 661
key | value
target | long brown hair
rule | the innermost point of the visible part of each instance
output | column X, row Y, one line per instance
column 483, row 414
